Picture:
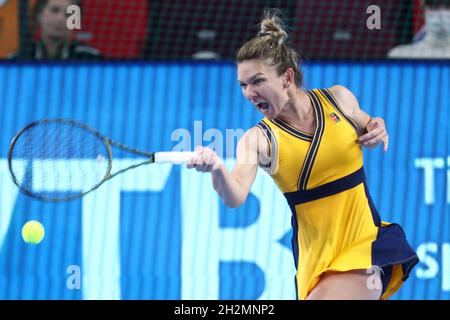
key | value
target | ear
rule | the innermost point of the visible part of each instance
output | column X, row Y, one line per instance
column 288, row 78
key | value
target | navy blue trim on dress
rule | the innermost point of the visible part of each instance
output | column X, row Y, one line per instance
column 301, row 196
column 375, row 216
column 268, row 133
column 294, row 237
column 386, row 274
column 390, row 247
column 329, row 96
column 292, row 131
column 312, row 152
column 265, row 127
column 294, row 224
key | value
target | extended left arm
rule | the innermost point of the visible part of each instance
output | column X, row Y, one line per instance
column 371, row 131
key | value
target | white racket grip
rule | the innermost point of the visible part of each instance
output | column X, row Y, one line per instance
column 175, row 157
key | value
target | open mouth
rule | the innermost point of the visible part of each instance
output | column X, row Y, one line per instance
column 263, row 106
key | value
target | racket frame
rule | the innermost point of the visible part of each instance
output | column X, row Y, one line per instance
column 107, row 142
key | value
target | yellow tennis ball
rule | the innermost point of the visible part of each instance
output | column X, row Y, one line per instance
column 33, row 232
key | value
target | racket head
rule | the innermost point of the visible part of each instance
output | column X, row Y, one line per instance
column 59, row 160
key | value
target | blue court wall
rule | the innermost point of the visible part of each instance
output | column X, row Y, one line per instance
column 161, row 232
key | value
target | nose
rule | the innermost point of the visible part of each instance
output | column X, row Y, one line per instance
column 251, row 94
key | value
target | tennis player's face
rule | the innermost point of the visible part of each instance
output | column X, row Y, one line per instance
column 262, row 86
column 53, row 20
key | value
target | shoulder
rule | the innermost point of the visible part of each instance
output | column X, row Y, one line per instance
column 255, row 140
column 350, row 106
column 344, row 97
column 346, row 100
column 253, row 136
column 340, row 91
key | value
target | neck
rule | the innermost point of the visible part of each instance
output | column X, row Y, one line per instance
column 298, row 109
column 53, row 46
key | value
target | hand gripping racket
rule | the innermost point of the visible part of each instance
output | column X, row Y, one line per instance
column 60, row 160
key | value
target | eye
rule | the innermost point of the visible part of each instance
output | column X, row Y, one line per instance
column 258, row 81
column 243, row 85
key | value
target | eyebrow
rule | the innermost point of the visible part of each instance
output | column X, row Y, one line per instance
column 253, row 77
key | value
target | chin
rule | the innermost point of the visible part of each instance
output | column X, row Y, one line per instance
column 269, row 116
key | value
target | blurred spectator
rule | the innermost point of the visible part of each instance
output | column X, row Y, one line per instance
column 436, row 42
column 53, row 40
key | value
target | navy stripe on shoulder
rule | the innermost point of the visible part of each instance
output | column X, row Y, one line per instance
column 291, row 130
column 267, row 131
column 332, row 100
column 312, row 152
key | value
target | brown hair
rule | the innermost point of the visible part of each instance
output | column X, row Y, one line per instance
column 269, row 45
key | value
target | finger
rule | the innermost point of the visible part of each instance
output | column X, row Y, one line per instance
column 206, row 156
column 375, row 141
column 372, row 125
column 203, row 168
column 198, row 149
column 198, row 152
column 199, row 158
column 198, row 168
column 370, row 135
column 190, row 163
column 211, row 158
column 386, row 143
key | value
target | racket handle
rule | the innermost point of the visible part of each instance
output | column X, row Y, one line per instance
column 176, row 157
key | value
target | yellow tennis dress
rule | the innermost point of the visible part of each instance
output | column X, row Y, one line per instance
column 336, row 226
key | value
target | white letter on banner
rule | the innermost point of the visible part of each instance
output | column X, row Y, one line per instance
column 429, row 164
column 205, row 244
column 430, row 262
column 101, row 226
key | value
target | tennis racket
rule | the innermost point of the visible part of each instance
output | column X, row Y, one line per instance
column 60, row 160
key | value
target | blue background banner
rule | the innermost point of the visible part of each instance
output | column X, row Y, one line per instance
column 161, row 232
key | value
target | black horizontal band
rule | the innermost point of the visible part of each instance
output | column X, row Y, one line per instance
column 342, row 184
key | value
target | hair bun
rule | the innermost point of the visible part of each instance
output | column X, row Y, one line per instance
column 272, row 26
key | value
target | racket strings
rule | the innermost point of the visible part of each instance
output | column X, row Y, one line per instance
column 57, row 160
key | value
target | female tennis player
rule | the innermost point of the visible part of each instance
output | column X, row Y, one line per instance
column 310, row 143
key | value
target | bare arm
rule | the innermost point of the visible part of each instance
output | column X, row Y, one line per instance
column 371, row 131
column 233, row 187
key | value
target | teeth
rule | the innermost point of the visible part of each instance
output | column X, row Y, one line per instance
column 264, row 105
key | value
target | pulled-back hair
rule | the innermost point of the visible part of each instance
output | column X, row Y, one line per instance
column 269, row 45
